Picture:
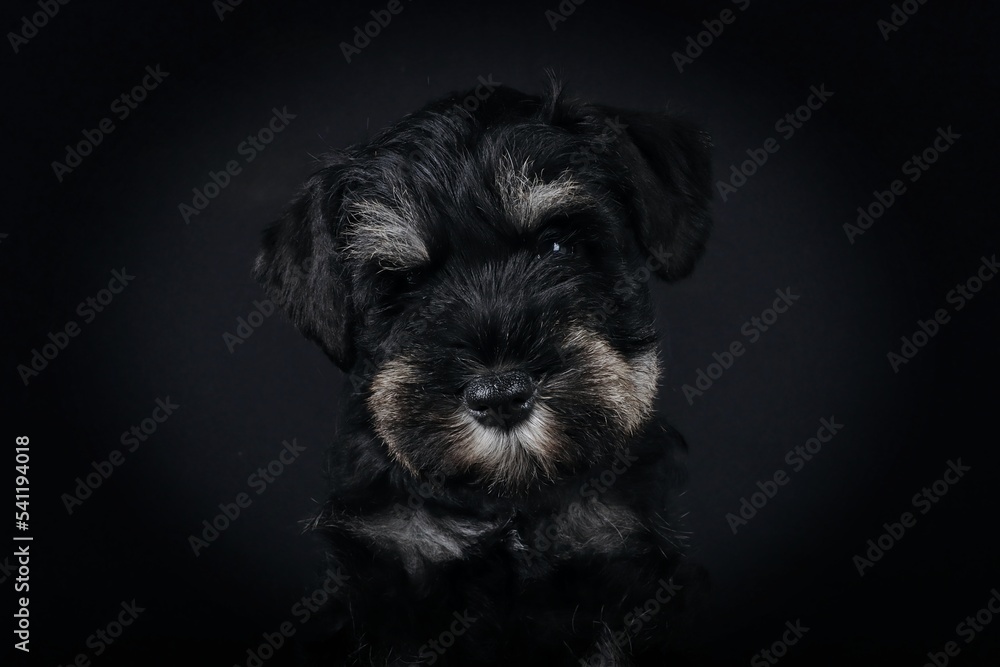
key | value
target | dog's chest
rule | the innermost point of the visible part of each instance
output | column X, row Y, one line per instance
column 590, row 528
column 420, row 540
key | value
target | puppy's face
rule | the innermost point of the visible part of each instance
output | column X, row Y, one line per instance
column 483, row 275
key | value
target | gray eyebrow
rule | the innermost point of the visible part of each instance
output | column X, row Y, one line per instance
column 529, row 200
column 384, row 232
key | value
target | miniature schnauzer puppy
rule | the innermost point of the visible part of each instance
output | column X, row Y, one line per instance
column 502, row 491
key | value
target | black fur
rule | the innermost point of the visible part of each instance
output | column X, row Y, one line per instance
column 426, row 524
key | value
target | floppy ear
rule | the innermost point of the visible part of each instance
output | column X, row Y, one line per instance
column 669, row 164
column 301, row 271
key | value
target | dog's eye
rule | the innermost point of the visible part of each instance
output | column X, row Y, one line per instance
column 394, row 281
column 558, row 248
column 410, row 277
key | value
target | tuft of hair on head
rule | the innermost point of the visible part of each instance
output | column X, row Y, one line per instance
column 555, row 109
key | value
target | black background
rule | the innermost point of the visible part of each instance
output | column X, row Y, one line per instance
column 826, row 357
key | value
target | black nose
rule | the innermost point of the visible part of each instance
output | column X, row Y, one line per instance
column 500, row 399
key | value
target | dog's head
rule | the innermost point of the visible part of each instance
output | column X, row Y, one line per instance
column 480, row 269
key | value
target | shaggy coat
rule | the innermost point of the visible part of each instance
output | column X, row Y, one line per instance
column 502, row 492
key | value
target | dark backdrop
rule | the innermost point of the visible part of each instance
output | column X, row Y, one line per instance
column 162, row 336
